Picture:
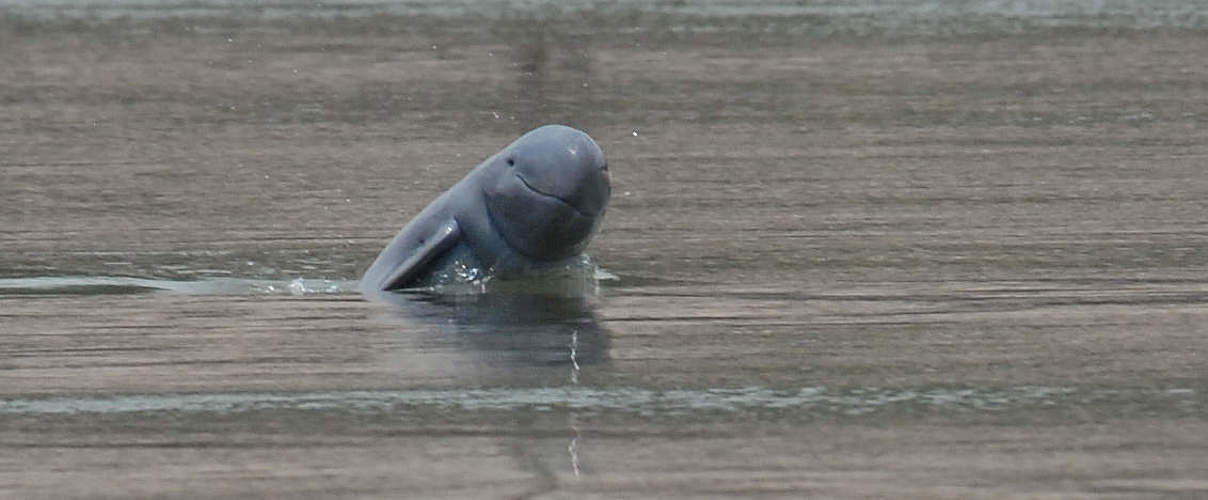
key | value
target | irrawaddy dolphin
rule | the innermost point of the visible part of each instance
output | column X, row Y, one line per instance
column 533, row 205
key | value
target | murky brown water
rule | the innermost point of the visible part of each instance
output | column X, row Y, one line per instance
column 852, row 252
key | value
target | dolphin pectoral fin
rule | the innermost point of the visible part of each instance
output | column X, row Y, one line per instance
column 433, row 246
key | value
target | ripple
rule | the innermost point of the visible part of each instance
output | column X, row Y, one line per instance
column 110, row 285
column 852, row 402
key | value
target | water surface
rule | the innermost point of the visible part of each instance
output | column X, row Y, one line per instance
column 903, row 249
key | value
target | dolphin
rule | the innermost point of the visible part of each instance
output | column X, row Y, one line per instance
column 535, row 204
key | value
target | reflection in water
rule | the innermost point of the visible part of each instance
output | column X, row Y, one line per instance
column 521, row 328
column 573, row 448
column 515, row 327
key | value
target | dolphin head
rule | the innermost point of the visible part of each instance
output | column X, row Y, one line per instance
column 548, row 191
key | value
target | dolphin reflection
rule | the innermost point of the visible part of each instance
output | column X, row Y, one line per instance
column 514, row 327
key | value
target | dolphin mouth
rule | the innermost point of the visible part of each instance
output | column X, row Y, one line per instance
column 554, row 197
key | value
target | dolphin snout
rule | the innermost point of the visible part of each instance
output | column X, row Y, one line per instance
column 576, row 173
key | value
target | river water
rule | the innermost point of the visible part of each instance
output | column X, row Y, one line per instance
column 881, row 249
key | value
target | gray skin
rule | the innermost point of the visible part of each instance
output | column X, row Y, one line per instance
column 533, row 205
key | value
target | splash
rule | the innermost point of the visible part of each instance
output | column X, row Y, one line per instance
column 578, row 277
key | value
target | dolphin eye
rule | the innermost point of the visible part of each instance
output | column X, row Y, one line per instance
column 511, row 161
